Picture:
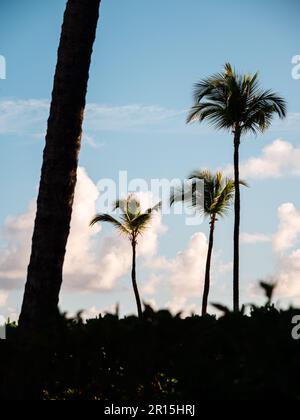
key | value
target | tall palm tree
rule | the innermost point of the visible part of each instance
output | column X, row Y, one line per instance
column 237, row 103
column 132, row 224
column 215, row 203
column 60, row 160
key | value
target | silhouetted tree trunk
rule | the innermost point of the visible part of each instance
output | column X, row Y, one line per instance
column 58, row 177
column 208, row 264
column 134, row 283
column 237, row 218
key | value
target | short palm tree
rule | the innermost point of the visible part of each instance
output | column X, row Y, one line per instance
column 237, row 103
column 132, row 224
column 217, row 200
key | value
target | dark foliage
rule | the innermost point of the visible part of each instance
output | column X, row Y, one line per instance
column 161, row 358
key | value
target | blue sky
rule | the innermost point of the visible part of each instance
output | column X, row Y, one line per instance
column 146, row 58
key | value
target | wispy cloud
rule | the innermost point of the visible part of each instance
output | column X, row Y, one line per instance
column 29, row 117
column 23, row 117
column 290, row 124
column 254, row 238
column 129, row 117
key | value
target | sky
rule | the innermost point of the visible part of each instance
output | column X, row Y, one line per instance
column 146, row 58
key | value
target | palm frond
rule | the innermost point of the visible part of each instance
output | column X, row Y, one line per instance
column 218, row 192
column 141, row 223
column 110, row 219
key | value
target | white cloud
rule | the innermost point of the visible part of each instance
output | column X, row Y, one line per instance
column 150, row 287
column 289, row 228
column 152, row 303
column 80, row 264
column 278, row 159
column 14, row 258
column 183, row 275
column 288, row 277
column 284, row 241
column 112, row 263
column 86, row 266
column 18, row 232
column 254, row 238
column 3, row 298
column 188, row 268
column 224, row 268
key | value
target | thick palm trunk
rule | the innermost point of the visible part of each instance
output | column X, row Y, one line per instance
column 207, row 269
column 237, row 218
column 58, row 177
column 134, row 283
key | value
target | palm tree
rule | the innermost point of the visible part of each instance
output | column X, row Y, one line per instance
column 213, row 201
column 60, row 160
column 237, row 103
column 132, row 224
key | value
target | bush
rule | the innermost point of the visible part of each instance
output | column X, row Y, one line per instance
column 163, row 358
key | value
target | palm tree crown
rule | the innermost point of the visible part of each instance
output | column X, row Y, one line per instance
column 133, row 221
column 215, row 199
column 228, row 99
column 218, row 192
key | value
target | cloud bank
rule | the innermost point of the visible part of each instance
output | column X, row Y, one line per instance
column 285, row 242
column 88, row 266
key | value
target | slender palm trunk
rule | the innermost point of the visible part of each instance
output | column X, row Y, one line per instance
column 237, row 218
column 134, row 283
column 58, row 177
column 208, row 264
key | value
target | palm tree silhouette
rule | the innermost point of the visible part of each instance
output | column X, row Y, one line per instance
column 237, row 103
column 215, row 203
column 132, row 224
column 60, row 162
